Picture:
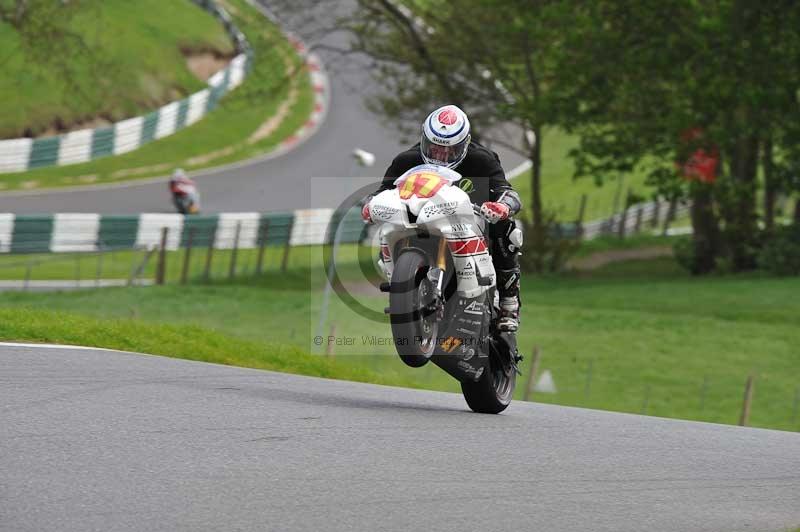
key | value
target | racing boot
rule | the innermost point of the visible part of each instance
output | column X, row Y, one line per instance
column 509, row 314
column 508, row 289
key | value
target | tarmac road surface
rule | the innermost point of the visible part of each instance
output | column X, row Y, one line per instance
column 101, row 440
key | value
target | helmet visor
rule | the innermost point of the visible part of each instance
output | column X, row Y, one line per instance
column 441, row 155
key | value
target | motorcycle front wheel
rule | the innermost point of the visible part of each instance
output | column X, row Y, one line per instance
column 413, row 328
column 493, row 391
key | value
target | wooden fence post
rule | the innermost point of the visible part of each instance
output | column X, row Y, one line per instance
column 748, row 400
column 136, row 271
column 532, row 373
column 161, row 267
column 331, row 336
column 262, row 246
column 187, row 256
column 639, row 214
column 673, row 207
column 656, row 214
column 581, row 214
column 624, row 218
column 99, row 271
column 287, row 247
column 209, row 254
column 235, row 251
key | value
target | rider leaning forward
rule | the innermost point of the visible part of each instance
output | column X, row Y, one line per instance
column 446, row 142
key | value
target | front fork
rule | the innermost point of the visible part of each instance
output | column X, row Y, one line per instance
column 435, row 275
column 436, row 279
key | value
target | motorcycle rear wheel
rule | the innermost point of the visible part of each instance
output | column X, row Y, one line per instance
column 414, row 332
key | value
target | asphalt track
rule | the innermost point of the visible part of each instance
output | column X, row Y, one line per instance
column 100, row 440
column 317, row 173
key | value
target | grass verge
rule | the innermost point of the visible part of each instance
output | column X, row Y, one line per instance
column 652, row 341
column 222, row 136
column 178, row 341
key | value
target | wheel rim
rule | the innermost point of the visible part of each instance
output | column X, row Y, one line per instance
column 427, row 326
column 501, row 381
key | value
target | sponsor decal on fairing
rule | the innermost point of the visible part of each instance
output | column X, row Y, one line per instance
column 447, row 208
column 384, row 212
column 474, row 308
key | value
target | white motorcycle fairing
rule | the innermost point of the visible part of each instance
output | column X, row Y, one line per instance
column 447, row 213
column 425, row 202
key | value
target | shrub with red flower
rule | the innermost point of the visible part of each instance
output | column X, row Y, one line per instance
column 701, row 165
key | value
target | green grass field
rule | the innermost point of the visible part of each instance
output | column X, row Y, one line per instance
column 222, row 136
column 561, row 193
column 120, row 264
column 135, row 64
column 614, row 243
column 652, row 341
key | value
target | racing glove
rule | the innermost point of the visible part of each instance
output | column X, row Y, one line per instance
column 365, row 215
column 493, row 211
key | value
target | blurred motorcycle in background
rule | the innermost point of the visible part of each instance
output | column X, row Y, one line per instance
column 184, row 192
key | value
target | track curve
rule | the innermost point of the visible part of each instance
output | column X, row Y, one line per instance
column 279, row 183
column 93, row 439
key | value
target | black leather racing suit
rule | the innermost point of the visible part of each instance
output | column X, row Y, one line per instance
column 487, row 182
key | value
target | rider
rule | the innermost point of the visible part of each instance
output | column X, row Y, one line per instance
column 180, row 182
column 184, row 193
column 446, row 141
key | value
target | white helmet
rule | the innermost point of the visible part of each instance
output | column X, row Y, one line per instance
column 445, row 137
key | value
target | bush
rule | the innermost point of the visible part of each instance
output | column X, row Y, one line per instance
column 547, row 249
column 781, row 254
column 684, row 253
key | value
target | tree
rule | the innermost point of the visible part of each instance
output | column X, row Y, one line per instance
column 640, row 75
column 491, row 57
column 631, row 79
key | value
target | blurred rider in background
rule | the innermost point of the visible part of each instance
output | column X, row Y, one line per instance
column 185, row 196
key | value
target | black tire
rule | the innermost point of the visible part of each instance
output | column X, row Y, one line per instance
column 409, row 281
column 493, row 392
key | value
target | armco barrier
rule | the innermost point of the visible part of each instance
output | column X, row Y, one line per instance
column 19, row 155
column 77, row 232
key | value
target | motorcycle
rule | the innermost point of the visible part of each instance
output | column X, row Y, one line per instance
column 443, row 300
column 185, row 196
